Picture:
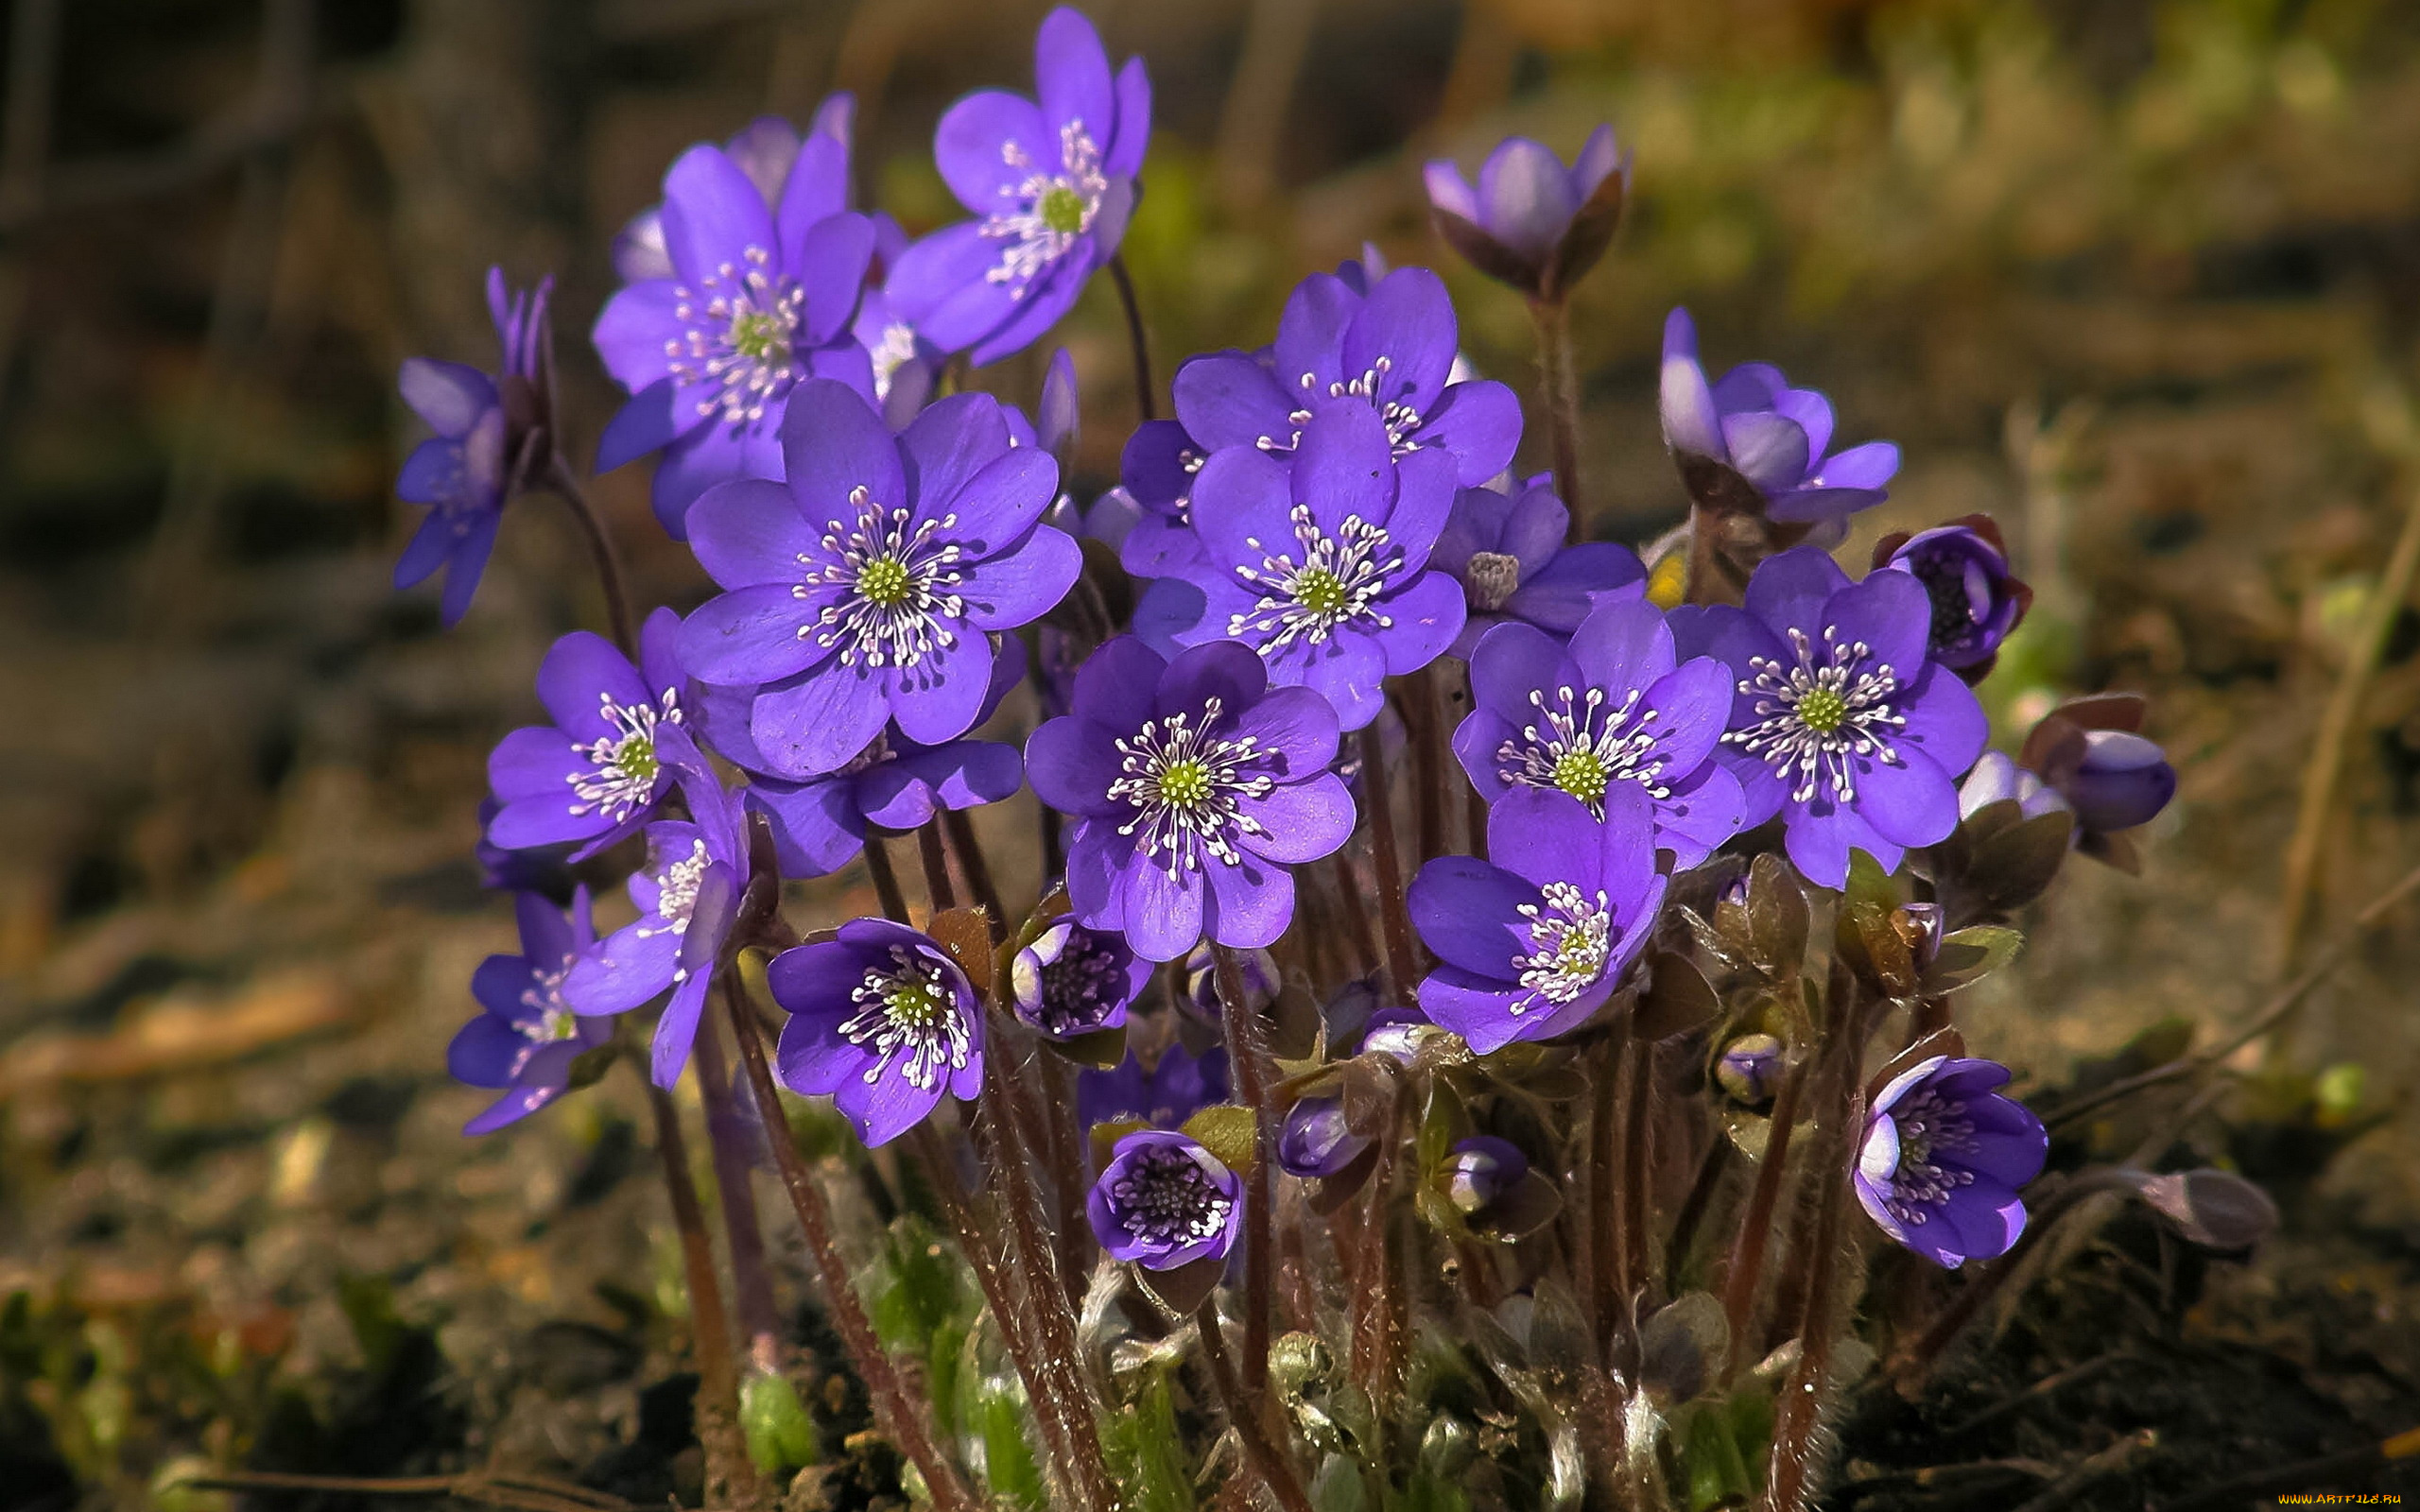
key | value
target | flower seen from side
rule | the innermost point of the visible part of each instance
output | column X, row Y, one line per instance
column 1165, row 1201
column 1195, row 786
column 1840, row 721
column 1751, row 442
column 1529, row 221
column 597, row 773
column 526, row 1036
column 1071, row 981
column 1977, row 603
column 1613, row 707
column 1507, row 550
column 882, row 1022
column 1531, row 947
column 1050, row 182
column 1942, row 1157
column 865, row 589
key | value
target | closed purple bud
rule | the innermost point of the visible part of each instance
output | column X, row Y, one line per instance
column 2123, row 781
column 1072, row 981
column 1165, row 1201
column 1316, row 1141
column 1975, row 601
column 1529, row 221
column 1481, row 1171
column 1396, row 1033
column 1056, row 419
column 1997, row 778
column 1749, row 1068
column 1257, row 967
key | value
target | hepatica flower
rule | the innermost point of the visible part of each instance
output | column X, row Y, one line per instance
column 462, row 473
column 1320, row 563
column 1165, row 1201
column 1072, row 981
column 1840, row 721
column 1386, row 354
column 863, row 590
column 759, row 301
column 1975, row 601
column 596, row 774
column 686, row 895
column 1317, row 1141
column 1997, row 778
column 1506, row 551
column 821, row 819
column 771, row 151
column 1195, row 786
column 1942, row 1155
column 1050, row 182
column 526, row 1036
column 1530, row 949
column 1751, row 440
column 1529, row 221
column 1614, row 708
column 882, row 1022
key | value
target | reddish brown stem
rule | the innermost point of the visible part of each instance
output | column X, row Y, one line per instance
column 730, row 1477
column 1387, row 861
column 1248, row 1057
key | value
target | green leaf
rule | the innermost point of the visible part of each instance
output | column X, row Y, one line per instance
column 1147, row 1453
column 781, row 1438
column 1713, row 1472
column 1010, row 1468
column 1229, row 1131
column 1338, row 1486
column 1969, row 954
column 2016, row 866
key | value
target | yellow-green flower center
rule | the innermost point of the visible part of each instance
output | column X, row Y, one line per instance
column 1581, row 774
column 1061, row 210
column 1320, row 590
column 760, row 336
column 914, row 1002
column 1184, row 784
column 1823, row 711
column 634, row 759
column 884, row 582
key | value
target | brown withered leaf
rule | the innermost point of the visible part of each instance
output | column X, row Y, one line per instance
column 966, row 934
column 1676, row 1001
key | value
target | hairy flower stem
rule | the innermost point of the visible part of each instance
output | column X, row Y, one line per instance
column 1638, row 1163
column 1790, row 1471
column 1387, row 860
column 886, row 881
column 566, row 483
column 1434, row 764
column 1559, row 392
column 1248, row 1055
column 939, row 890
column 730, row 1479
column 1268, row 1464
column 1053, row 1323
column 1712, row 1167
column 960, row 831
column 1756, row 1220
column 898, row 1413
column 1379, row 1321
column 1067, row 1174
column 1136, row 340
column 1607, row 1287
column 728, row 1137
column 1347, row 893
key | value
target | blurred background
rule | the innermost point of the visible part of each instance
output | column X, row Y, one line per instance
column 2141, row 278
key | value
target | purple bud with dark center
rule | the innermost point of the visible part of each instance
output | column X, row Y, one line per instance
column 1165, row 1201
column 1072, row 981
column 1749, row 1068
column 1976, row 602
column 2122, row 780
column 1481, row 1171
column 1316, row 1141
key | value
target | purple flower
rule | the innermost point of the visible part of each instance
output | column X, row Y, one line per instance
column 1179, row 1085
column 1506, row 551
column 882, row 1022
column 1975, row 600
column 1531, row 222
column 1051, row 184
column 821, row 819
column 1156, row 470
column 1195, row 785
column 1530, row 951
column 1942, row 1155
column 1749, row 1068
column 1479, row 1171
column 768, row 151
column 2120, row 781
column 687, row 895
column 905, row 366
column 1165, row 1201
column 1061, row 412
column 864, row 589
column 1071, row 981
column 596, row 774
column 1387, row 355
column 1316, row 1140
column 1841, row 722
column 1320, row 564
column 1612, row 708
column 465, row 471
column 1997, row 778
column 528, row 1037
column 759, row 299
column 1752, row 439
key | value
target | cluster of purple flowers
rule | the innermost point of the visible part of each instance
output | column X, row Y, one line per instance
column 1328, row 522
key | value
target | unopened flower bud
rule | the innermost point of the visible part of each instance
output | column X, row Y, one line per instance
column 1749, row 1068
column 1975, row 601
column 1529, row 221
column 1257, row 967
column 2123, row 781
column 1481, row 1171
column 1316, row 1141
